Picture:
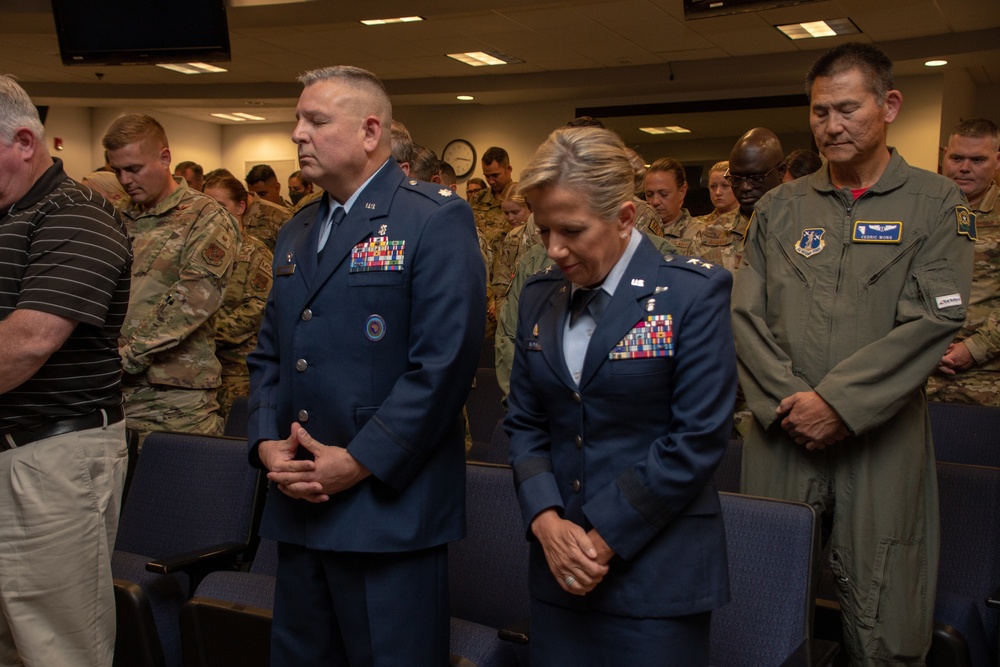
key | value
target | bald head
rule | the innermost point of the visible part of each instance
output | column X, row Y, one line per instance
column 756, row 165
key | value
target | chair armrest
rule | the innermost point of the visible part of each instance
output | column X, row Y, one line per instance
column 994, row 599
column 216, row 556
column 519, row 633
column 812, row 653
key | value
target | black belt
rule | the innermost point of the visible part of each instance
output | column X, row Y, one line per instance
column 15, row 438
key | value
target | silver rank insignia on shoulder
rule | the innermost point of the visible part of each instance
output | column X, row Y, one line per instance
column 698, row 262
column 382, row 230
column 638, row 282
column 446, row 192
column 547, row 270
column 650, row 305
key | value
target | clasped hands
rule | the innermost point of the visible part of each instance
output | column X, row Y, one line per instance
column 572, row 554
column 331, row 471
column 810, row 421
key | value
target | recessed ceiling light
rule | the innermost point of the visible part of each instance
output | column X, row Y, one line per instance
column 230, row 116
column 666, row 129
column 401, row 19
column 248, row 116
column 480, row 58
column 192, row 68
column 465, row 98
column 935, row 63
column 827, row 28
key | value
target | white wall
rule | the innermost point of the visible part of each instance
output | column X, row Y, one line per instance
column 259, row 144
column 917, row 128
column 72, row 125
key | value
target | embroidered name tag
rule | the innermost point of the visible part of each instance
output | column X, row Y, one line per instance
column 651, row 337
column 378, row 254
column 877, row 232
column 949, row 301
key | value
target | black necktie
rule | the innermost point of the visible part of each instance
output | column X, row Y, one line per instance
column 338, row 217
column 584, row 298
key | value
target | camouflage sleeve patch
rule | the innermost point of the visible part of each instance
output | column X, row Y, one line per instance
column 218, row 251
column 966, row 222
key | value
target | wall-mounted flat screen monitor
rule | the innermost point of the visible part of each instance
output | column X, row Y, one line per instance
column 700, row 9
column 141, row 32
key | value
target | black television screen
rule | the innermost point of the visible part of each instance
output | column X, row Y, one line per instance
column 698, row 9
column 141, row 32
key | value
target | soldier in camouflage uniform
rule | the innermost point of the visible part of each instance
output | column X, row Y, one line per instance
column 488, row 212
column 185, row 245
column 518, row 240
column 969, row 371
column 238, row 320
column 756, row 165
column 666, row 185
column 646, row 217
column 264, row 220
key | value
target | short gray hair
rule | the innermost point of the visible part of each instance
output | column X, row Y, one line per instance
column 17, row 111
column 374, row 98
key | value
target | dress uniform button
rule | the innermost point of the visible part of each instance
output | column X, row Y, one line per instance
column 301, row 365
column 576, row 486
column 307, row 315
column 576, row 398
column 303, row 416
column 579, row 442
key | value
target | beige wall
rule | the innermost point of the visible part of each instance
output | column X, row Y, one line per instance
column 931, row 106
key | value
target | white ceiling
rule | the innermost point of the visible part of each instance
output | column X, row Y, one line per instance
column 591, row 52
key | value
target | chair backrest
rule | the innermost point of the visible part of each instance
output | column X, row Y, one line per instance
column 488, row 569
column 772, row 547
column 969, row 568
column 484, row 406
column 965, row 433
column 265, row 561
column 727, row 475
column 236, row 420
column 189, row 491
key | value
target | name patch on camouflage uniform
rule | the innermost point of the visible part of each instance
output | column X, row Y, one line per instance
column 651, row 337
column 866, row 231
column 966, row 222
column 378, row 254
column 811, row 242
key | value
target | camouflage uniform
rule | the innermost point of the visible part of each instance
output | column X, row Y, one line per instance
column 646, row 218
column 979, row 385
column 533, row 261
column 238, row 320
column 517, row 242
column 682, row 232
column 490, row 219
column 184, row 249
column 264, row 220
column 720, row 241
column 308, row 199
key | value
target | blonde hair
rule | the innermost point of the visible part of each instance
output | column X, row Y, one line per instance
column 719, row 166
column 589, row 160
column 512, row 193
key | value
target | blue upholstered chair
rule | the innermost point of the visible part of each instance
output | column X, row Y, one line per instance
column 190, row 510
column 772, row 551
column 967, row 434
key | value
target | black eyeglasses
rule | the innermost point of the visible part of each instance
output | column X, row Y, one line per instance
column 755, row 180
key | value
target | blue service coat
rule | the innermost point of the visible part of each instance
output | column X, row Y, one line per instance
column 631, row 450
column 374, row 349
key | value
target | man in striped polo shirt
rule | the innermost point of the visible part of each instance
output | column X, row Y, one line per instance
column 64, row 283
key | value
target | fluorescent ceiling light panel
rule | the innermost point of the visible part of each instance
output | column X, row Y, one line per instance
column 402, row 19
column 465, row 98
column 192, row 68
column 666, row 129
column 229, row 116
column 812, row 29
column 935, row 63
column 248, row 116
column 481, row 58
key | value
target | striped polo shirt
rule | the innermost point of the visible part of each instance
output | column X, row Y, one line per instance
column 65, row 251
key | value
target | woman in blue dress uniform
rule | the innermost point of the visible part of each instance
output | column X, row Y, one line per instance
column 621, row 405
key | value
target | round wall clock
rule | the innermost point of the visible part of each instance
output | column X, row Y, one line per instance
column 460, row 154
